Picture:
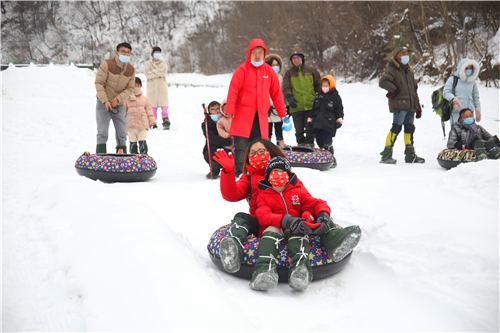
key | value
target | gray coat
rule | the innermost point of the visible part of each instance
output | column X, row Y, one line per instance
column 458, row 136
column 399, row 76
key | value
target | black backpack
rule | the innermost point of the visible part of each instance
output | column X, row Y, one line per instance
column 441, row 105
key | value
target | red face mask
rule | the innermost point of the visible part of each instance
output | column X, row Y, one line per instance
column 278, row 178
column 259, row 161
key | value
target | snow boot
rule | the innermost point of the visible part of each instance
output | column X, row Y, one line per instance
column 329, row 147
column 265, row 275
column 134, row 148
column 339, row 242
column 123, row 148
column 100, row 148
column 143, row 147
column 387, row 156
column 300, row 272
column 166, row 124
column 231, row 246
column 411, row 156
column 154, row 126
column 216, row 167
column 493, row 149
column 480, row 150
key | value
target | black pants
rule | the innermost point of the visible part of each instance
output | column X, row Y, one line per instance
column 322, row 137
column 278, row 129
column 241, row 143
column 252, row 221
column 300, row 122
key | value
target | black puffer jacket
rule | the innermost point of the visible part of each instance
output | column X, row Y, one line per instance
column 327, row 108
column 216, row 141
column 399, row 76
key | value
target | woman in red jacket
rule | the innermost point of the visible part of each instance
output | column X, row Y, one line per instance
column 286, row 207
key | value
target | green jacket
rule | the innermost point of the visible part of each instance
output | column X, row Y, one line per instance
column 401, row 77
column 303, row 82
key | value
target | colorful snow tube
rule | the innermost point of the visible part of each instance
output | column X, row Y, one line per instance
column 450, row 158
column 314, row 158
column 116, row 167
column 322, row 265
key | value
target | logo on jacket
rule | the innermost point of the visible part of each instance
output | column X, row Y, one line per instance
column 295, row 200
column 265, row 77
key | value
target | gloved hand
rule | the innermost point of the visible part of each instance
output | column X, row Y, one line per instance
column 339, row 123
column 392, row 94
column 291, row 101
column 419, row 112
column 456, row 104
column 223, row 159
column 324, row 219
column 295, row 224
column 309, row 122
column 478, row 115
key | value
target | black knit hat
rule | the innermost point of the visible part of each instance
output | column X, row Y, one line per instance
column 155, row 48
column 278, row 162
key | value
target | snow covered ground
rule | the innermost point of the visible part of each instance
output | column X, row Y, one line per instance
column 82, row 255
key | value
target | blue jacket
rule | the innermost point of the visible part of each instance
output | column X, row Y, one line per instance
column 466, row 90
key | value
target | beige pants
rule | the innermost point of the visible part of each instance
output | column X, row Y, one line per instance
column 135, row 135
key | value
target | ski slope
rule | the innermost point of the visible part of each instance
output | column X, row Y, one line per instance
column 82, row 255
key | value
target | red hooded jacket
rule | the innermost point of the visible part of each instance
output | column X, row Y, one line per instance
column 293, row 200
column 249, row 92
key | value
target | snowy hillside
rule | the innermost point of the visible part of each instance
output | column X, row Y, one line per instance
column 81, row 255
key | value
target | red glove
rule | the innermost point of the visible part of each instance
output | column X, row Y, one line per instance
column 223, row 159
column 308, row 216
column 419, row 112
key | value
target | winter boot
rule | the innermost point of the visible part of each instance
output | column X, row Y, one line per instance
column 480, row 150
column 166, row 124
column 134, row 148
column 216, row 167
column 154, row 126
column 265, row 275
column 123, row 148
column 300, row 272
column 411, row 156
column 493, row 149
column 340, row 242
column 143, row 147
column 387, row 156
column 100, row 148
column 231, row 246
column 329, row 147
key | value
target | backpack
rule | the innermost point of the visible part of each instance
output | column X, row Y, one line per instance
column 441, row 105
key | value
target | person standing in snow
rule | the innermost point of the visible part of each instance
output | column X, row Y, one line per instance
column 404, row 104
column 114, row 82
column 275, row 121
column 139, row 119
column 224, row 126
column 157, row 88
column 248, row 100
column 300, row 84
column 466, row 92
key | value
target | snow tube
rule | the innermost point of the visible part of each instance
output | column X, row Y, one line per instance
column 314, row 158
column 322, row 265
column 450, row 158
column 116, row 167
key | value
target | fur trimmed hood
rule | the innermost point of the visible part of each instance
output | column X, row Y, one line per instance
column 277, row 57
column 464, row 63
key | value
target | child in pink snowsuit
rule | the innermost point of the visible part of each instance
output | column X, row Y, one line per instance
column 223, row 126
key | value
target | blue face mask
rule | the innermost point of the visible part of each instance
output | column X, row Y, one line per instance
column 468, row 72
column 405, row 59
column 157, row 55
column 216, row 117
column 257, row 64
column 468, row 121
column 123, row 58
column 276, row 69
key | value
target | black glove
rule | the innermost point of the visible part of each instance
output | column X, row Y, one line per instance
column 324, row 219
column 392, row 94
column 291, row 101
column 295, row 224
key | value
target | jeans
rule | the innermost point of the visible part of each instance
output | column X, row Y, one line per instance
column 403, row 117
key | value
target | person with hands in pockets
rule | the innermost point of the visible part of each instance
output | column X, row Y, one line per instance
column 404, row 104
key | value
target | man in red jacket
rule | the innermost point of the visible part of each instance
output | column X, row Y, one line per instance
column 248, row 100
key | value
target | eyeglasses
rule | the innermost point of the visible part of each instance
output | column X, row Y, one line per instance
column 124, row 53
column 296, row 57
column 258, row 152
column 215, row 110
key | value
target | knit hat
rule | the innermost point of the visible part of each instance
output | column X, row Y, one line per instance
column 278, row 162
column 401, row 49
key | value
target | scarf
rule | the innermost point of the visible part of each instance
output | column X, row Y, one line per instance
column 472, row 130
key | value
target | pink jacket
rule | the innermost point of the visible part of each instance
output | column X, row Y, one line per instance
column 223, row 126
column 139, row 112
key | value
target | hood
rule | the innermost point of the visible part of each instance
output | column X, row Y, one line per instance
column 253, row 44
column 224, row 102
column 277, row 57
column 330, row 79
column 464, row 63
column 297, row 50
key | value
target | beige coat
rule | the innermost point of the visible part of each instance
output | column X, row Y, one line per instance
column 114, row 79
column 157, row 87
column 223, row 127
column 139, row 112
